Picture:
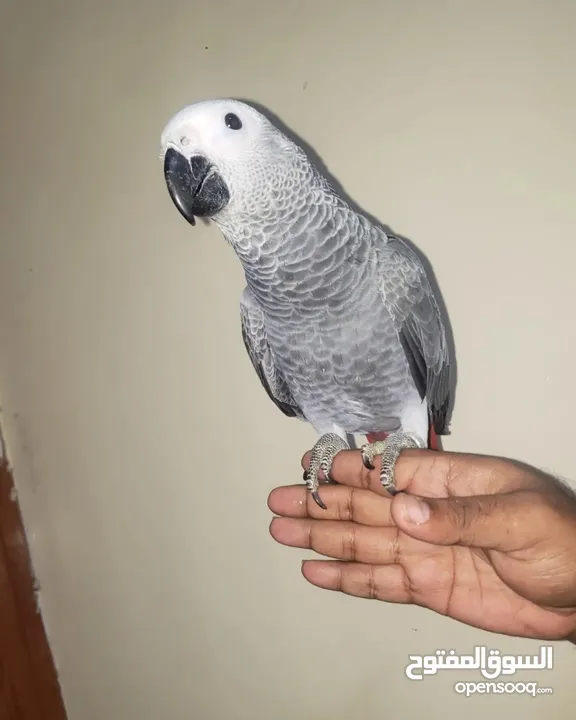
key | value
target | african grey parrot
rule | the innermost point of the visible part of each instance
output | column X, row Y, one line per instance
column 338, row 316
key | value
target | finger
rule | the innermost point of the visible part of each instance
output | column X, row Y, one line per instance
column 341, row 540
column 436, row 474
column 348, row 469
column 506, row 522
column 376, row 582
column 343, row 503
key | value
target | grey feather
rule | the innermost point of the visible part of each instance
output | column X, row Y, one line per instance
column 339, row 318
column 256, row 343
column 408, row 295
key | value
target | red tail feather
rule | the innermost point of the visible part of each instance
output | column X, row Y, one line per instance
column 375, row 437
column 433, row 441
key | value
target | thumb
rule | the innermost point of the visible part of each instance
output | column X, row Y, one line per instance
column 505, row 522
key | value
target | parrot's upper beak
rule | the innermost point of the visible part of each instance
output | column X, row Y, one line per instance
column 195, row 186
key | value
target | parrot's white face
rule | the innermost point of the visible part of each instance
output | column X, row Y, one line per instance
column 224, row 130
column 224, row 158
column 216, row 156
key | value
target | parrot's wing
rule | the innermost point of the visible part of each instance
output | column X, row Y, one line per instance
column 256, row 342
column 410, row 299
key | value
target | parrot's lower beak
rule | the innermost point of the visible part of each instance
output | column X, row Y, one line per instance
column 195, row 186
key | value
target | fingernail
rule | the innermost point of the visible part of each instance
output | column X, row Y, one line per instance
column 415, row 510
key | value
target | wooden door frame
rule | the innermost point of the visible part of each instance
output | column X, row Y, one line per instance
column 29, row 687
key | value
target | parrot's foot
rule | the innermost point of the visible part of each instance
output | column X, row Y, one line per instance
column 323, row 454
column 390, row 449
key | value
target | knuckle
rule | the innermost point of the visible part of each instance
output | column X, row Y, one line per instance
column 408, row 587
column 371, row 586
column 453, row 471
column 348, row 509
column 339, row 580
column 456, row 513
column 396, row 549
column 312, row 537
column 349, row 544
column 364, row 480
column 369, row 479
column 465, row 513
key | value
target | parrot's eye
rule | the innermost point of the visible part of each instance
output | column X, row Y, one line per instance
column 233, row 121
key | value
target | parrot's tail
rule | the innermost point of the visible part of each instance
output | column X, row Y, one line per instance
column 433, row 441
column 375, row 437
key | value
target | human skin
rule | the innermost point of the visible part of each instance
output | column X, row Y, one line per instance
column 487, row 541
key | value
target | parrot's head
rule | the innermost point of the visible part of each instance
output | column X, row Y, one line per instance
column 224, row 160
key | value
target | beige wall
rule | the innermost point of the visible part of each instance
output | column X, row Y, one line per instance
column 122, row 362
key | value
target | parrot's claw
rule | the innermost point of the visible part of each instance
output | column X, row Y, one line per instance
column 318, row 501
column 390, row 449
column 323, row 454
column 370, row 451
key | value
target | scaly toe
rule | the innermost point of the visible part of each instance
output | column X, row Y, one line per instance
column 395, row 443
column 323, row 454
column 369, row 452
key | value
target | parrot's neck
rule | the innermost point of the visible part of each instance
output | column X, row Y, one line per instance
column 317, row 256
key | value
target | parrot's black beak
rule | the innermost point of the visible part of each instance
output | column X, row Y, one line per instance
column 195, row 186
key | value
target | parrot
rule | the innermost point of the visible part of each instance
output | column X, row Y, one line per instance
column 338, row 315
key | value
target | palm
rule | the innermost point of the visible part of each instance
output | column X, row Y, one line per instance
column 464, row 584
column 527, row 590
column 501, row 592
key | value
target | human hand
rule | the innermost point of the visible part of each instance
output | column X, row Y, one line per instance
column 484, row 540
